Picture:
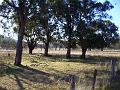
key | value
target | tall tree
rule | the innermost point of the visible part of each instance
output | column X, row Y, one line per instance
column 31, row 40
column 21, row 8
column 89, row 32
column 66, row 12
column 30, row 32
column 46, row 23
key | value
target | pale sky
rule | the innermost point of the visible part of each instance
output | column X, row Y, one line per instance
column 10, row 33
column 115, row 13
column 1, row 30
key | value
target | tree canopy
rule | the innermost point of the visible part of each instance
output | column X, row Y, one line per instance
column 82, row 22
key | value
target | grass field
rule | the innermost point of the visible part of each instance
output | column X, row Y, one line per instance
column 53, row 72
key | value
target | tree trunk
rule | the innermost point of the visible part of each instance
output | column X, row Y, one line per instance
column 68, row 54
column 55, row 48
column 47, row 43
column 101, row 49
column 19, row 48
column 47, row 29
column 30, row 50
column 83, row 53
column 46, row 48
column 31, row 45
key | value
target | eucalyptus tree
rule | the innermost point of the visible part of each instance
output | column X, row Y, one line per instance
column 32, row 25
column 93, row 28
column 30, row 36
column 21, row 9
column 46, row 23
column 30, row 32
column 109, row 32
column 31, row 39
column 66, row 12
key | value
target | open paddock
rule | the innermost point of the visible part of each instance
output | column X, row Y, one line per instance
column 52, row 73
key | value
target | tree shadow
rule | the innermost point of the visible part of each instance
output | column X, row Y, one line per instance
column 98, row 59
column 26, row 73
column 115, row 82
column 19, row 82
column 88, row 60
column 31, row 71
column 1, row 88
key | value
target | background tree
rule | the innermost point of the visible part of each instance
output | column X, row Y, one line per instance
column 66, row 13
column 46, row 23
column 7, row 42
column 89, row 33
column 30, row 33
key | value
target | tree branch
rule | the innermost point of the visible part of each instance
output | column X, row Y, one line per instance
column 11, row 4
column 5, row 16
column 31, row 1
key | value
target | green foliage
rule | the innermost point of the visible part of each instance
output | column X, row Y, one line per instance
column 74, row 22
column 92, row 30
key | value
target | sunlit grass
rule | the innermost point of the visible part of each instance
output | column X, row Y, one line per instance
column 47, row 73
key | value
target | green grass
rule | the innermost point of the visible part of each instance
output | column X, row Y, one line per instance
column 51, row 73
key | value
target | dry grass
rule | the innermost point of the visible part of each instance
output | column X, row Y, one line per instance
column 51, row 73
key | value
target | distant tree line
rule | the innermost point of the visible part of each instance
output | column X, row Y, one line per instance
column 7, row 43
column 73, row 22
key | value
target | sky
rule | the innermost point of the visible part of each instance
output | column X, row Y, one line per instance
column 115, row 13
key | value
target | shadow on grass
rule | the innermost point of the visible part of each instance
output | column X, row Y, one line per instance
column 88, row 60
column 37, row 76
column 19, row 82
column 115, row 82
column 26, row 73
column 1, row 88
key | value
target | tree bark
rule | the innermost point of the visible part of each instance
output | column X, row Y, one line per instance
column 19, row 47
column 31, row 45
column 30, row 50
column 101, row 49
column 83, row 53
column 47, row 43
column 46, row 49
column 47, row 30
column 68, row 54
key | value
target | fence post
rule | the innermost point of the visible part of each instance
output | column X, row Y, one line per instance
column 94, row 79
column 113, row 63
column 79, row 83
column 72, row 82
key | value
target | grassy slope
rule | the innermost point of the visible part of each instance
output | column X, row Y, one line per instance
column 51, row 73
